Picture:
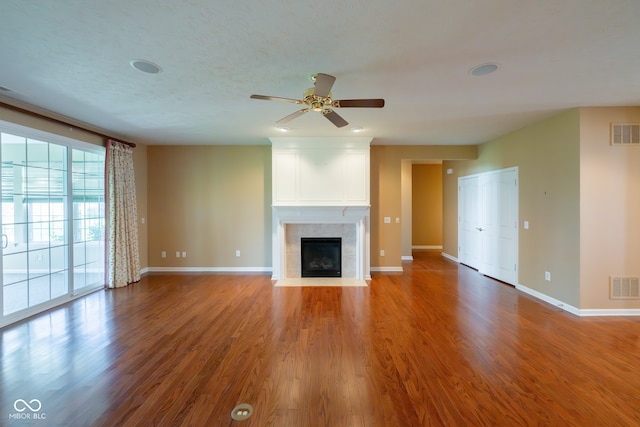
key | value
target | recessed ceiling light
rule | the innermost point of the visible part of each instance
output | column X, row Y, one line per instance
column 483, row 70
column 356, row 129
column 283, row 128
column 145, row 66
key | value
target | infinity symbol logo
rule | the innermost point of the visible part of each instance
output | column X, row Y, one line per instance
column 21, row 405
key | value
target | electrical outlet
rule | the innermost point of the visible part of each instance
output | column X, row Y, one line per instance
column 381, row 252
column 238, row 252
column 547, row 276
column 163, row 254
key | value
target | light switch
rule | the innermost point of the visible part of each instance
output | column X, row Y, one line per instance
column 526, row 225
column 387, row 220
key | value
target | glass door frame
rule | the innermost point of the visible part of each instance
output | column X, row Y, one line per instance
column 70, row 241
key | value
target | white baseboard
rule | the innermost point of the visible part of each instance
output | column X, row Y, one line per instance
column 546, row 298
column 386, row 269
column 610, row 312
column 577, row 311
column 426, row 247
column 209, row 269
column 447, row 256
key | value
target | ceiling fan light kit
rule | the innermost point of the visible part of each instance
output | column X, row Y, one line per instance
column 319, row 98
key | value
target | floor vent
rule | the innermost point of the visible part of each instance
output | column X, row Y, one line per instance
column 624, row 288
column 241, row 412
column 625, row 133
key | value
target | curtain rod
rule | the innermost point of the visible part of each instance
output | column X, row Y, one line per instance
column 51, row 119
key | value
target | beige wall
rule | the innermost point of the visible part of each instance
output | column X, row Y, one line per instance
column 426, row 205
column 609, row 207
column 209, row 201
column 578, row 193
column 547, row 155
column 580, row 197
column 406, row 187
column 386, row 197
column 140, row 168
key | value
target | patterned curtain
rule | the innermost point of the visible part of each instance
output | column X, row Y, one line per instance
column 123, row 254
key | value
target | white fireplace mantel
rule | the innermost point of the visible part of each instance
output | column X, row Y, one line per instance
column 356, row 215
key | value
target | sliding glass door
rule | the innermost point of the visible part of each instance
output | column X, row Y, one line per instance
column 53, row 223
column 88, row 220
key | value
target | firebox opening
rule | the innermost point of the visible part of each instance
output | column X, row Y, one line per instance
column 321, row 256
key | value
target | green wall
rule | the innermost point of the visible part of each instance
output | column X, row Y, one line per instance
column 547, row 155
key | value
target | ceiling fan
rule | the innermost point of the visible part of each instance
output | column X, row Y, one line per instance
column 319, row 98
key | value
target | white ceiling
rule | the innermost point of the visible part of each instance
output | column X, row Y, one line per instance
column 72, row 57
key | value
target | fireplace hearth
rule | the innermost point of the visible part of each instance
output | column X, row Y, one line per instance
column 321, row 256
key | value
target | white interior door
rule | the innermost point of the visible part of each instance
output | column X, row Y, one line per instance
column 499, row 224
column 488, row 223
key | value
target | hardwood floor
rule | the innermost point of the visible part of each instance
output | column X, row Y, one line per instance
column 436, row 345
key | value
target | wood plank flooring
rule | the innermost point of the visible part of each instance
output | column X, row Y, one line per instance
column 438, row 345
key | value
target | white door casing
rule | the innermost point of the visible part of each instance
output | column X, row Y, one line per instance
column 469, row 249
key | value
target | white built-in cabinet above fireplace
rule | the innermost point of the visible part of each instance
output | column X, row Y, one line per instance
column 320, row 171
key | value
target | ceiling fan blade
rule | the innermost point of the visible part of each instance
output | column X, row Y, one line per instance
column 334, row 118
column 365, row 103
column 324, row 83
column 293, row 115
column 276, row 98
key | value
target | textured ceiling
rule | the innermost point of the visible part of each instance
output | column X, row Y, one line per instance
column 72, row 57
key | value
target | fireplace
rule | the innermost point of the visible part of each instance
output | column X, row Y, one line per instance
column 292, row 223
column 320, row 188
column 321, row 256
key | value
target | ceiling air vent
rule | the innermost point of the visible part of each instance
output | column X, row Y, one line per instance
column 625, row 133
column 624, row 288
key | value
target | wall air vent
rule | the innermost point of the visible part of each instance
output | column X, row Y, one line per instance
column 625, row 133
column 624, row 288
